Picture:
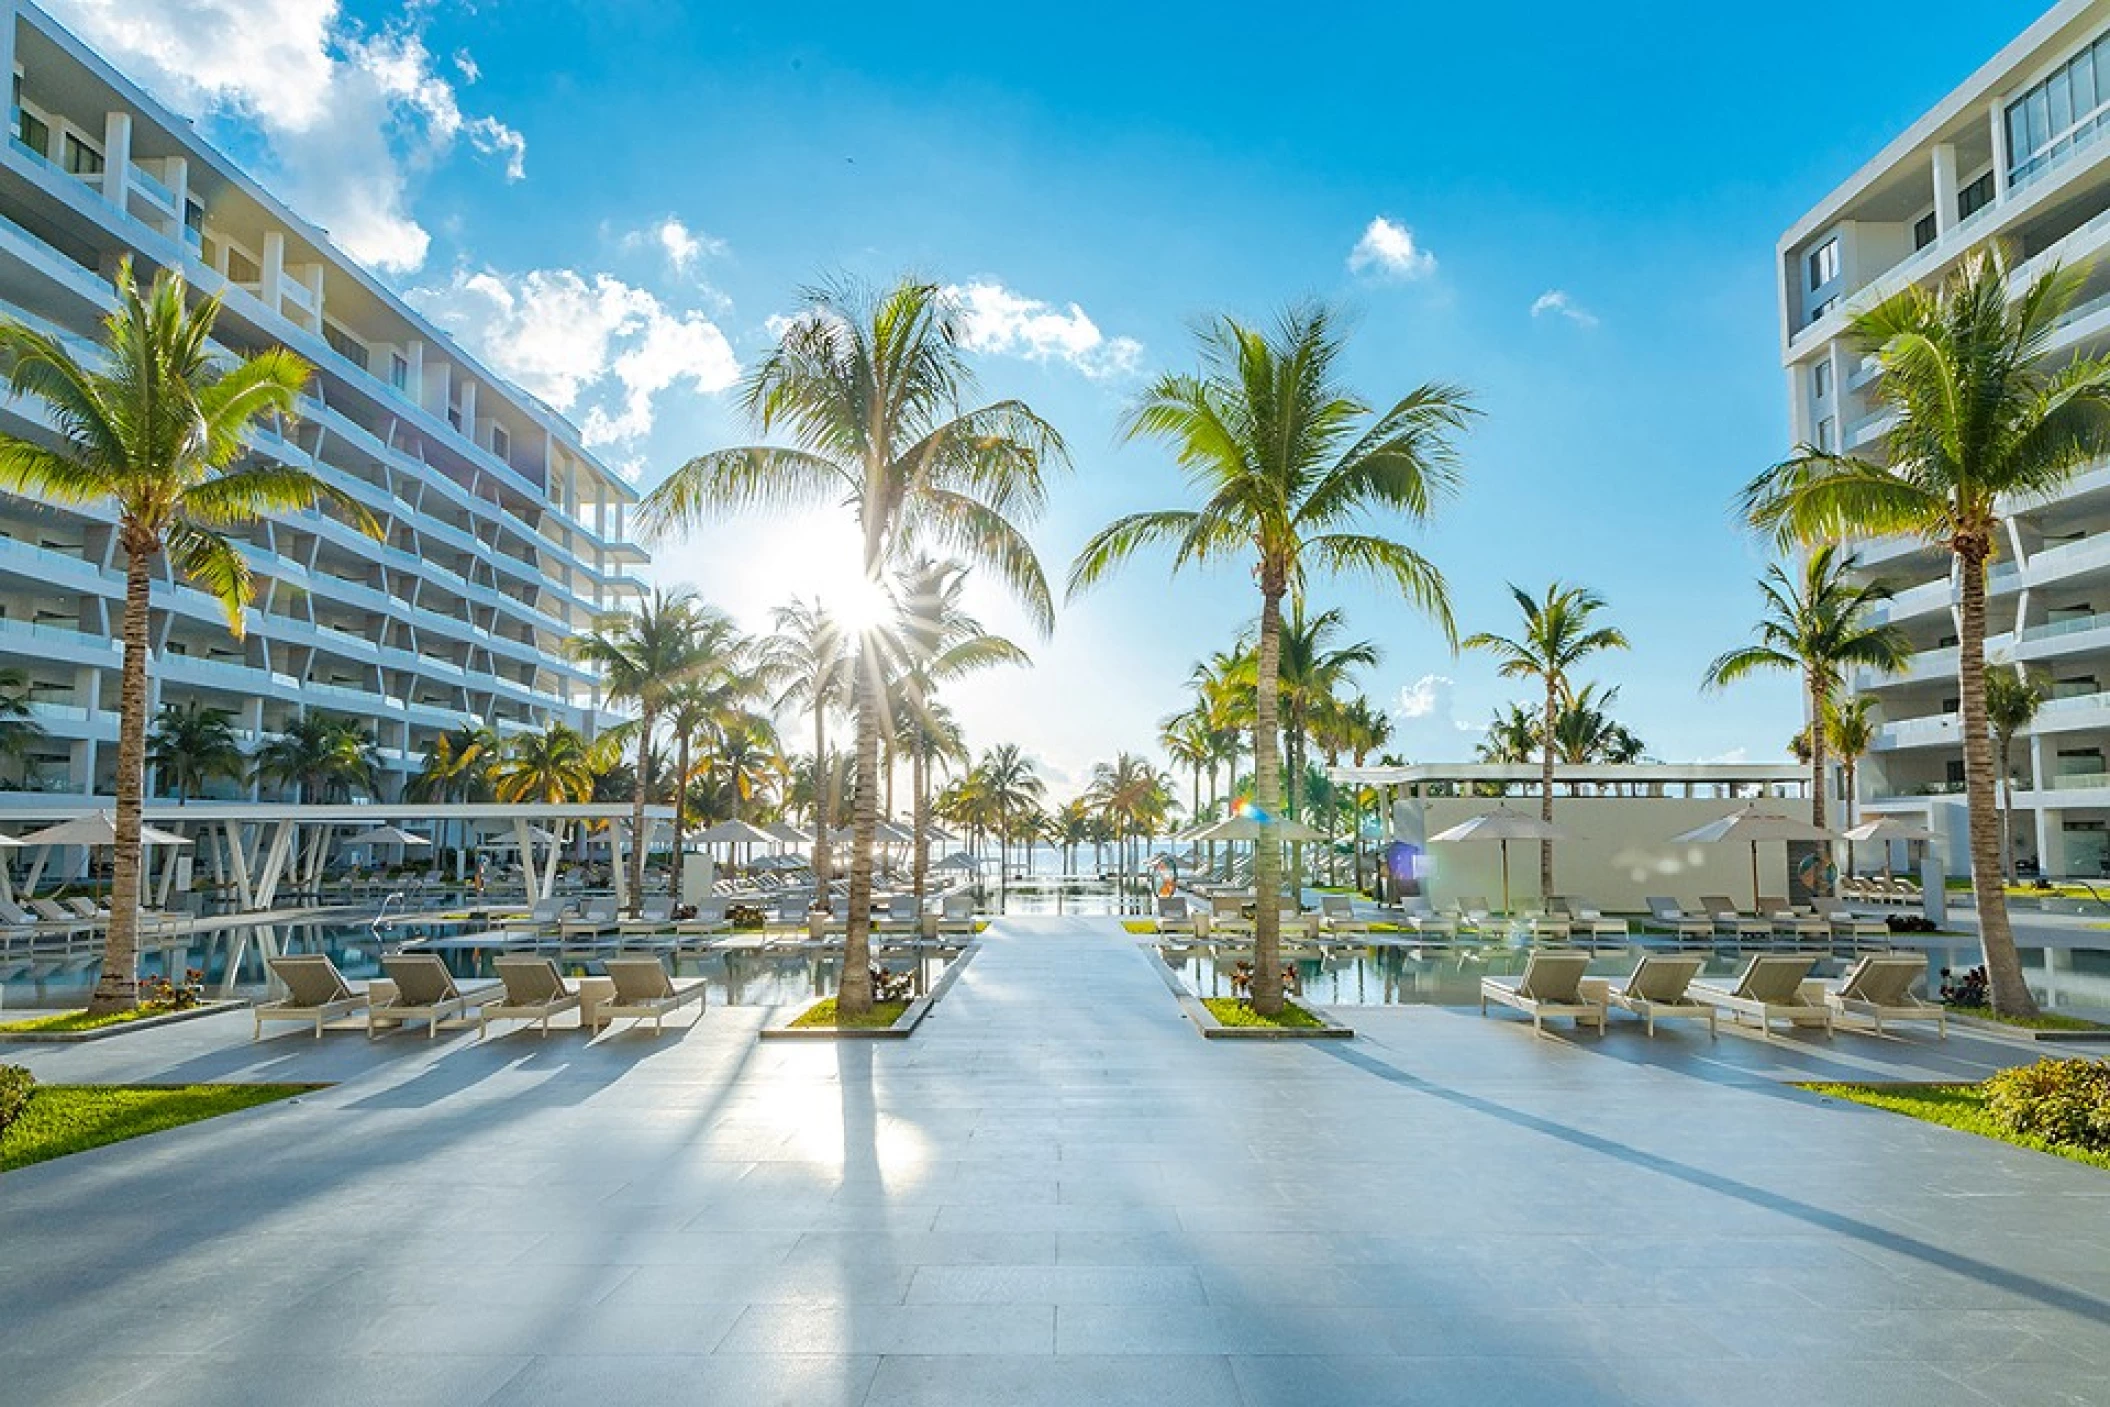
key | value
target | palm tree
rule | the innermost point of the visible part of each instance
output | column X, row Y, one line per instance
column 19, row 729
column 457, row 767
column 323, row 757
column 744, row 767
column 1557, row 636
column 645, row 656
column 1584, row 730
column 1289, row 465
column 1512, row 736
column 2012, row 698
column 1134, row 800
column 1849, row 731
column 1312, row 668
column 190, row 745
column 1981, row 417
column 870, row 387
column 1188, row 743
column 553, row 767
column 1365, row 729
column 706, row 702
column 808, row 662
column 1011, row 786
column 1819, row 627
column 157, row 432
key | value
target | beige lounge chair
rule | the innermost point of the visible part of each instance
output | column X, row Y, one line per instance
column 596, row 917
column 1424, row 920
column 1880, row 987
column 1791, row 922
column 1592, row 922
column 1337, row 915
column 644, row 991
column 1848, row 924
column 1551, row 986
column 655, row 915
column 1732, row 922
column 425, row 991
column 315, row 992
column 1665, row 914
column 543, row 913
column 534, row 991
column 1658, row 988
column 1771, row 989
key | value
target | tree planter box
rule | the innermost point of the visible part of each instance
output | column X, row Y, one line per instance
column 118, row 1028
column 1205, row 1021
column 901, row 1030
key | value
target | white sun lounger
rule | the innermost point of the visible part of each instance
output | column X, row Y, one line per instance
column 1665, row 914
column 1337, row 915
column 425, row 991
column 1732, row 922
column 644, row 991
column 1848, row 924
column 1771, row 988
column 598, row 916
column 1551, row 985
column 1791, row 922
column 1658, row 989
column 534, row 991
column 1879, row 987
column 315, row 992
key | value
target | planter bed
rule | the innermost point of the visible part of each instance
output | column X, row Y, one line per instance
column 117, row 1028
column 905, row 1026
column 2048, row 1034
column 1323, row 1029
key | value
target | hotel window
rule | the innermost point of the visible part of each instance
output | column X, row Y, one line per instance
column 345, row 345
column 398, row 371
column 2060, row 115
column 1824, row 264
column 32, row 133
column 1974, row 197
column 82, row 159
column 1923, row 231
column 1827, row 435
column 1818, row 312
column 1820, row 380
column 501, row 442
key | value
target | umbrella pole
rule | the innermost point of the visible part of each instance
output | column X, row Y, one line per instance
column 1505, row 879
column 1754, row 877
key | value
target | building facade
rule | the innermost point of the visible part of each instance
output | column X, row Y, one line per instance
column 504, row 536
column 2020, row 153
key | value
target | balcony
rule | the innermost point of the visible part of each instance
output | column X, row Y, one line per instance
column 1935, row 730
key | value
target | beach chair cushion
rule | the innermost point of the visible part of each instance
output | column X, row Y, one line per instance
column 1662, row 980
column 311, row 980
column 1884, row 981
column 1774, row 981
column 639, row 980
column 421, row 980
column 532, row 981
column 1554, row 979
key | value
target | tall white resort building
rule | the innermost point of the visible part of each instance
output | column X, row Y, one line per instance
column 504, row 535
column 2019, row 153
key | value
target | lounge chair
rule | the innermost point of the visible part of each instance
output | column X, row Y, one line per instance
column 1475, row 915
column 1665, row 916
column 87, row 908
column 425, row 991
column 709, row 917
column 543, row 913
column 1771, row 989
column 1880, row 987
column 1791, row 922
column 534, row 991
column 1658, row 988
column 1550, row 925
column 1550, row 986
column 902, row 912
column 596, row 917
column 1848, row 924
column 315, row 992
column 656, row 915
column 1337, row 915
column 644, row 991
column 55, row 914
column 1592, row 922
column 1731, row 922
column 1422, row 917
column 1174, row 916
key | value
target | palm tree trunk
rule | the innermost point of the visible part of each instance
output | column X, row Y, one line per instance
column 2007, row 809
column 1818, row 695
column 117, row 988
column 681, row 811
column 1852, row 766
column 854, row 995
column 1546, row 789
column 1267, row 787
column 919, row 782
column 823, row 777
column 637, row 814
column 2003, row 964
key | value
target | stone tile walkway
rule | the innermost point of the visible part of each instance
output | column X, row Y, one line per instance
column 1056, row 1193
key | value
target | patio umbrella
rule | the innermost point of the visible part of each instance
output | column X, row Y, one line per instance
column 1246, row 828
column 385, row 835
column 1504, row 825
column 787, row 833
column 1756, row 827
column 957, row 860
column 1886, row 829
column 96, row 829
column 734, row 833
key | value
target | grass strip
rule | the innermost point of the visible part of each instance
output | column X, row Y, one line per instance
column 62, row 1119
column 823, row 1013
column 1233, row 1012
column 71, row 1021
column 1953, row 1106
column 2042, row 1021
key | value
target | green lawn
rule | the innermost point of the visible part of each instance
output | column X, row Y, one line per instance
column 82, row 1021
column 882, row 1014
column 1957, row 1107
column 62, row 1119
column 1233, row 1012
column 2042, row 1021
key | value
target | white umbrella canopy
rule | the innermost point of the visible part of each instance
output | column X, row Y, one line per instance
column 1504, row 825
column 1888, row 828
column 957, row 860
column 98, row 828
column 1247, row 828
column 506, row 840
column 385, row 835
column 891, row 834
column 1756, row 828
column 734, row 833
column 788, row 833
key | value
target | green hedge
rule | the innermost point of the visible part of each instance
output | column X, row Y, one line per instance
column 16, row 1085
column 2059, row 1101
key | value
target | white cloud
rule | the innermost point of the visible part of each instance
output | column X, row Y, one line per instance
column 996, row 320
column 1557, row 300
column 592, row 344
column 348, row 115
column 1387, row 249
column 1424, row 696
column 682, row 245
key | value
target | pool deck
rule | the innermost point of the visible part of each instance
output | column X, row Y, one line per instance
column 1056, row 1193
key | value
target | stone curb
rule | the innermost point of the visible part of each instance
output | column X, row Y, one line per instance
column 2024, row 1033
column 1211, row 1029
column 122, row 1028
column 901, row 1030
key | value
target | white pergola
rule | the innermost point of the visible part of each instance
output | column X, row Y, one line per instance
column 1650, row 778
column 262, row 839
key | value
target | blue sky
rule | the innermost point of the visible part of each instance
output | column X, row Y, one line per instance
column 614, row 199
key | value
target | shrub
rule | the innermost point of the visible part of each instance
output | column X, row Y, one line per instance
column 16, row 1084
column 746, row 916
column 892, row 986
column 1910, row 923
column 2060, row 1101
column 159, row 994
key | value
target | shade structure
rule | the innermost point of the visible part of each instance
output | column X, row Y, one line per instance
column 957, row 860
column 734, row 833
column 938, row 835
column 506, row 840
column 1246, row 828
column 787, row 833
column 386, row 835
column 97, row 828
column 888, row 833
column 1504, row 825
column 1888, row 828
column 1756, row 828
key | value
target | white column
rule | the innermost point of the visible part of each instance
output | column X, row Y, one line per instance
column 117, row 156
column 1944, row 188
column 2002, row 157
column 271, row 284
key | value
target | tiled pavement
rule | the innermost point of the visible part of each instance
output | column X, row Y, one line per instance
column 1056, row 1193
